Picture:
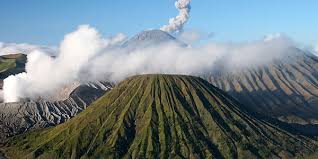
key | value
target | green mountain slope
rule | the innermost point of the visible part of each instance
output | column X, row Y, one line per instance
column 12, row 64
column 162, row 116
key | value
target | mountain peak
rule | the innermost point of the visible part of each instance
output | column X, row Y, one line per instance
column 161, row 116
column 151, row 38
column 154, row 35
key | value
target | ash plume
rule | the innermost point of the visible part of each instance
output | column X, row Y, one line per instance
column 176, row 24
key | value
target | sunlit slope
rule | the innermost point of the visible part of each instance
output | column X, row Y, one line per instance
column 286, row 89
column 161, row 116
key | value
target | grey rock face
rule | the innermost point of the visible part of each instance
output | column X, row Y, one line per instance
column 16, row 118
column 286, row 89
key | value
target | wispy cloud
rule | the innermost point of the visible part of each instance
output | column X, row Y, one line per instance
column 14, row 48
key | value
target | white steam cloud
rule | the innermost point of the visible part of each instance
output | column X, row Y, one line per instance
column 176, row 24
column 45, row 74
column 86, row 56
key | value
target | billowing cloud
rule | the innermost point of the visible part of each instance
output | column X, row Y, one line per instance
column 84, row 55
column 45, row 74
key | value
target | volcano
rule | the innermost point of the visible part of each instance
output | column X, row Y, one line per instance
column 151, row 38
column 162, row 116
column 285, row 88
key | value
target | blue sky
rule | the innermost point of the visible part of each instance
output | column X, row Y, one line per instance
column 46, row 22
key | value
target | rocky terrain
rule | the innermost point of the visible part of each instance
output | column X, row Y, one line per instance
column 286, row 89
column 16, row 118
column 162, row 116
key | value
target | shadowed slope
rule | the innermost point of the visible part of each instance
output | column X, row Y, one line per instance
column 161, row 116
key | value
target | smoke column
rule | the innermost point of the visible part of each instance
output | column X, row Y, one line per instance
column 176, row 24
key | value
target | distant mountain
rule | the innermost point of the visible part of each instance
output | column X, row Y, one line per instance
column 11, row 65
column 151, row 38
column 17, row 118
column 286, row 89
column 162, row 116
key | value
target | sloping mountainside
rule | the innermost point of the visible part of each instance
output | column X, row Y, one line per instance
column 161, row 116
column 11, row 64
column 150, row 38
column 16, row 118
column 286, row 89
